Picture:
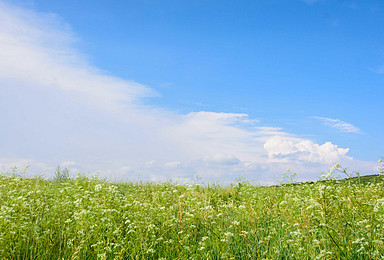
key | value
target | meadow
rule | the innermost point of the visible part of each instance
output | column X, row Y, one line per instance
column 86, row 218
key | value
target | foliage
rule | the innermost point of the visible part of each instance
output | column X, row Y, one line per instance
column 288, row 178
column 86, row 218
column 341, row 171
column 381, row 167
column 61, row 175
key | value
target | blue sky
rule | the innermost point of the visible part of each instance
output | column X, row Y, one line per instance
column 144, row 89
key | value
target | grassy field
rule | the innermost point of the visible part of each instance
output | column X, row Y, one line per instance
column 85, row 218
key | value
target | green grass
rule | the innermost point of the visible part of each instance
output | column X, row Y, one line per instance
column 85, row 218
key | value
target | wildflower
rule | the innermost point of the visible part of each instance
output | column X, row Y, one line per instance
column 358, row 241
column 295, row 233
column 98, row 187
column 335, row 167
column 151, row 251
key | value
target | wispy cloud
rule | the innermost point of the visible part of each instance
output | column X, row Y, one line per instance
column 62, row 110
column 312, row 1
column 36, row 48
column 339, row 125
column 378, row 70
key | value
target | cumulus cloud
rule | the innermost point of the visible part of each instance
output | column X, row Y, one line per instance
column 61, row 110
column 339, row 125
column 293, row 149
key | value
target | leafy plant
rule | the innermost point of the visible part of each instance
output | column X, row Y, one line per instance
column 288, row 178
column 340, row 170
column 61, row 175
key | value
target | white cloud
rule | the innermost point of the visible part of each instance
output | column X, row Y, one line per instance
column 225, row 117
column 293, row 149
column 67, row 164
column 221, row 158
column 172, row 165
column 36, row 48
column 21, row 165
column 339, row 125
column 59, row 109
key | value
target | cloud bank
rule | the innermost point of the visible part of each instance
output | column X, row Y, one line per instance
column 59, row 109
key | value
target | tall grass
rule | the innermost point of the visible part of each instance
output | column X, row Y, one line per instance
column 84, row 218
